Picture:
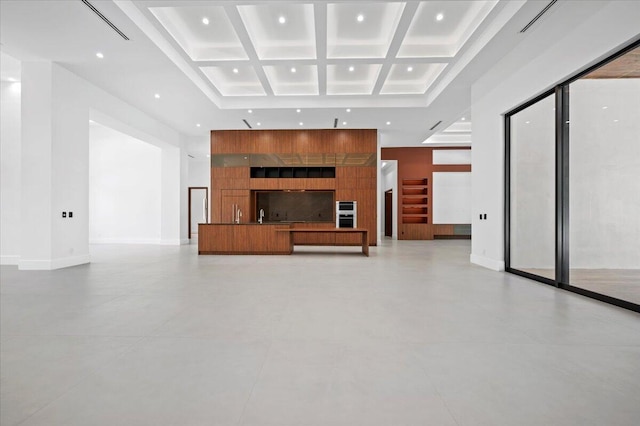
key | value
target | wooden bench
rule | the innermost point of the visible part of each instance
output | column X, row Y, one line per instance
column 362, row 231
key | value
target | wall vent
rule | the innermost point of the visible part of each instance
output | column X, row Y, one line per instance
column 435, row 125
column 538, row 16
column 247, row 123
column 104, row 18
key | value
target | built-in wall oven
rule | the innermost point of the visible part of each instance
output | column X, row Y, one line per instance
column 346, row 214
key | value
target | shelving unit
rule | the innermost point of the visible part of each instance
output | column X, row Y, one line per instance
column 293, row 172
column 415, row 200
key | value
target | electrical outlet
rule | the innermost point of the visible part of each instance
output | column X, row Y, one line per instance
column 64, row 214
column 70, row 214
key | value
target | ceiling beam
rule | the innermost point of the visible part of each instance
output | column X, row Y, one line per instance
column 403, row 26
column 320, row 14
column 243, row 35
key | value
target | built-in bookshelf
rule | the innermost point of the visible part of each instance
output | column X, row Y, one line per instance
column 415, row 200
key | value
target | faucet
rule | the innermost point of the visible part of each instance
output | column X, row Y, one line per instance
column 238, row 215
column 261, row 216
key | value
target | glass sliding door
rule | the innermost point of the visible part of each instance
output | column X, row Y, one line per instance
column 531, row 192
column 604, row 179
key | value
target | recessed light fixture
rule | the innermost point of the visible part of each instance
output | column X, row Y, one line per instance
column 258, row 124
column 527, row 122
column 388, row 123
column 344, row 123
column 463, row 118
column 197, row 124
column 298, row 110
column 360, row 18
column 301, row 123
column 235, row 71
column 439, row 17
column 615, row 121
column 100, row 55
column 282, row 19
column 250, row 111
column 157, row 96
column 205, row 20
column 348, row 109
column 409, row 68
column 351, row 68
column 293, row 69
column 605, row 107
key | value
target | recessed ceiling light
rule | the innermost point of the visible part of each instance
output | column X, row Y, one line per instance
column 439, row 17
column 615, row 121
column 197, row 124
column 298, row 110
column 205, row 20
column 360, row 18
column 293, row 69
column 527, row 122
column 605, row 107
column 463, row 119
column 409, row 68
column 157, row 96
column 235, row 71
column 348, row 109
column 100, row 55
column 351, row 68
column 301, row 123
column 344, row 123
column 282, row 19
column 388, row 123
column 258, row 124
column 250, row 111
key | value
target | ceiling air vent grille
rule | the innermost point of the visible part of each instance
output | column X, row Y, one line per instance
column 247, row 123
column 538, row 16
column 104, row 18
column 335, row 123
column 435, row 125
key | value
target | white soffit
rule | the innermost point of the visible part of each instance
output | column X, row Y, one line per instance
column 352, row 79
column 215, row 41
column 281, row 30
column 361, row 30
column 235, row 81
column 411, row 79
column 440, row 28
column 292, row 80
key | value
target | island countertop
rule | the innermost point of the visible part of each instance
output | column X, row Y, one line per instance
column 243, row 238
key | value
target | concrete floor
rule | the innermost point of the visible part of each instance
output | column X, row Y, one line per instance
column 413, row 335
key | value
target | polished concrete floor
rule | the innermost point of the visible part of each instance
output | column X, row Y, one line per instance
column 413, row 335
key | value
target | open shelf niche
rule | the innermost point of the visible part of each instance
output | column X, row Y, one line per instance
column 415, row 200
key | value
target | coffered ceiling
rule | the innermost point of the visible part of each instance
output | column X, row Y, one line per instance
column 254, row 53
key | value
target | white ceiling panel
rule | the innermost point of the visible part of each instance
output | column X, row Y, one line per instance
column 406, row 79
column 235, row 81
column 204, row 33
column 440, row 28
column 361, row 30
column 288, row 80
column 281, row 30
column 352, row 79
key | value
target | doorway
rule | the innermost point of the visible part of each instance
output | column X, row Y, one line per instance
column 388, row 213
column 198, row 208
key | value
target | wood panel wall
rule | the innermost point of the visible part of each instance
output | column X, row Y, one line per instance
column 417, row 163
column 350, row 183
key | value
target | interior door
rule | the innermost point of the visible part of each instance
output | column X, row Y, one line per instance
column 388, row 213
column 198, row 209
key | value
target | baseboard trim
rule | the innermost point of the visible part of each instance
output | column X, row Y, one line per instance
column 174, row 242
column 496, row 265
column 12, row 260
column 124, row 241
column 50, row 264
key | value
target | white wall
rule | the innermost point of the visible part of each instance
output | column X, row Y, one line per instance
column 451, row 197
column 575, row 35
column 10, row 222
column 124, row 188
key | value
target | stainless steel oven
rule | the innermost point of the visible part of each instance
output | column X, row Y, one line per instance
column 346, row 214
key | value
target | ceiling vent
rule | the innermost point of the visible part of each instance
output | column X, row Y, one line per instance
column 538, row 16
column 435, row 125
column 335, row 123
column 247, row 123
column 104, row 18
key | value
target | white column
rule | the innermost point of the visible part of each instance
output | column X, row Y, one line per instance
column 174, row 196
